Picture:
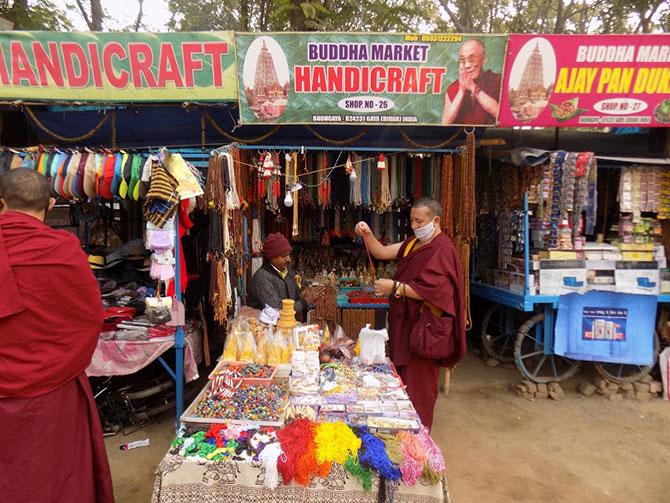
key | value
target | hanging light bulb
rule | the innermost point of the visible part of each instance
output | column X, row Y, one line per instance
column 352, row 175
column 288, row 200
column 381, row 162
column 348, row 167
column 288, row 157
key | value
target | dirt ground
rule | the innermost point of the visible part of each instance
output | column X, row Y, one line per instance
column 502, row 448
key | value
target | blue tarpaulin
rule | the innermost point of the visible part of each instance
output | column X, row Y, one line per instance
column 606, row 327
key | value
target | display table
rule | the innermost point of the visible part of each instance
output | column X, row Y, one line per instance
column 118, row 357
column 193, row 480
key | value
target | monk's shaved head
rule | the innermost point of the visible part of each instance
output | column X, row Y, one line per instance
column 434, row 208
column 24, row 189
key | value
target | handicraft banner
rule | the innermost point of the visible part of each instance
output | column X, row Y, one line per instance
column 587, row 81
column 118, row 67
column 373, row 79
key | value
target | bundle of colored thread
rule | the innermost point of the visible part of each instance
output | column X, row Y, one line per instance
column 299, row 460
column 434, row 466
column 215, row 432
column 373, row 454
column 414, row 457
column 269, row 456
column 335, row 442
column 392, row 446
column 358, row 470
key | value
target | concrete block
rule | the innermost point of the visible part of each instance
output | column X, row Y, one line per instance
column 655, row 387
column 626, row 386
column 601, row 383
column 641, row 386
column 587, row 389
column 642, row 395
column 492, row 362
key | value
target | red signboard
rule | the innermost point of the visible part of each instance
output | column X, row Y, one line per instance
column 587, row 81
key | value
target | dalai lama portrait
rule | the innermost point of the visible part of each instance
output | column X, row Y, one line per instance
column 474, row 97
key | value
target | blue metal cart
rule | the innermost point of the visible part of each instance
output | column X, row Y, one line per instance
column 510, row 335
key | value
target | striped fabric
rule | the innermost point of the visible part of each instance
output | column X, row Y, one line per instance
column 162, row 199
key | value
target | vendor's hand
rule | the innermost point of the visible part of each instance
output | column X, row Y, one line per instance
column 362, row 229
column 383, row 287
column 312, row 293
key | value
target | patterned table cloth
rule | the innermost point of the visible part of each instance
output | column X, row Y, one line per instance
column 194, row 480
column 113, row 358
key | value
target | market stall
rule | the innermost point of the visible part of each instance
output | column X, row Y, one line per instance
column 296, row 412
column 108, row 197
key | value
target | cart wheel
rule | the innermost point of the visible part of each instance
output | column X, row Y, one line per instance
column 622, row 373
column 531, row 360
column 497, row 334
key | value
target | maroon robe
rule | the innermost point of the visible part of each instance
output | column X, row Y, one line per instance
column 434, row 272
column 51, row 444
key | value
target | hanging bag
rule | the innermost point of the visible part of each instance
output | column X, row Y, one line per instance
column 158, row 309
column 432, row 336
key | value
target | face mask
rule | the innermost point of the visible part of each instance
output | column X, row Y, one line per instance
column 425, row 232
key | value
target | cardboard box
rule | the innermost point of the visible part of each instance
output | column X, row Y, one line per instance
column 560, row 277
column 638, row 277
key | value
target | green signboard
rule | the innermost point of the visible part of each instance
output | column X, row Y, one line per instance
column 118, row 67
column 374, row 79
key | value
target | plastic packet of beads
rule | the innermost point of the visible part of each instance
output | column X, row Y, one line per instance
column 355, row 408
column 373, row 407
column 246, row 347
column 392, row 423
column 394, row 394
column 369, row 393
column 333, row 407
column 332, row 417
column 304, row 384
column 345, row 396
column 306, row 399
column 230, row 349
column 404, row 406
column 283, row 347
column 266, row 348
column 412, row 416
column 357, row 420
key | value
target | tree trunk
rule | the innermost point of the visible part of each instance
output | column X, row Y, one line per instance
column 297, row 17
column 244, row 15
column 560, row 22
column 97, row 15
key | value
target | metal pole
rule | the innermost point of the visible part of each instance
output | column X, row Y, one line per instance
column 179, row 335
column 526, row 246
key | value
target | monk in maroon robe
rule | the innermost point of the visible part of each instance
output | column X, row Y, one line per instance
column 51, row 441
column 429, row 271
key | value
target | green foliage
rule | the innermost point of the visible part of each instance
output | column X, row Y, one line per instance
column 557, row 16
column 294, row 15
column 35, row 15
column 467, row 16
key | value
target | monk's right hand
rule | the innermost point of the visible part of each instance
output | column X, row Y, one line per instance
column 363, row 229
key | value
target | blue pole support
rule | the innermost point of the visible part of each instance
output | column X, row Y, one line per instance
column 179, row 336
